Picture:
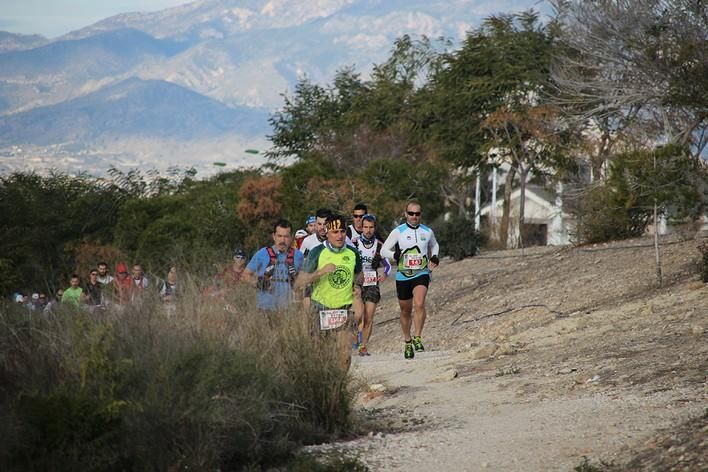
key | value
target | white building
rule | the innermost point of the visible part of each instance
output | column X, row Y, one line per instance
column 545, row 221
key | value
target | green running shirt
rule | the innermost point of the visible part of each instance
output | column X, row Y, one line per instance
column 333, row 290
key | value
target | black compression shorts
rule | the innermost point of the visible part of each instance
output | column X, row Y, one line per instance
column 404, row 288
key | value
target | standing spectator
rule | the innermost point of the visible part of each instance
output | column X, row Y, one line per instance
column 42, row 301
column 34, row 303
column 104, row 278
column 168, row 288
column 121, row 284
column 72, row 295
column 138, row 284
column 51, row 307
column 93, row 292
column 274, row 269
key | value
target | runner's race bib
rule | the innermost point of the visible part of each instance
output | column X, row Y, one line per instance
column 333, row 319
column 413, row 261
column 370, row 278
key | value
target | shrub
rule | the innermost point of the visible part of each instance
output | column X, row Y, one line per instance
column 458, row 237
column 623, row 206
column 211, row 386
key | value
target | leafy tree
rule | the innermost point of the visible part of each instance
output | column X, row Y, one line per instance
column 484, row 94
column 666, row 178
column 43, row 218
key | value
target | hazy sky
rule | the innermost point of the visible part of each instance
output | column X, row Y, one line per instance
column 53, row 18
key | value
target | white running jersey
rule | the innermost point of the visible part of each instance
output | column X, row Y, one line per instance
column 417, row 245
column 355, row 235
column 312, row 241
column 309, row 243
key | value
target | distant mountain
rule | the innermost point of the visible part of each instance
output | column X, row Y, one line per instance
column 132, row 108
column 19, row 42
column 65, row 69
column 106, row 53
column 202, row 73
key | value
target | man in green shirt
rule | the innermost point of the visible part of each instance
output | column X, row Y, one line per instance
column 73, row 294
column 333, row 268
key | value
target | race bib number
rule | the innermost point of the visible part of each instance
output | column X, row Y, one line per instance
column 333, row 319
column 412, row 261
column 370, row 278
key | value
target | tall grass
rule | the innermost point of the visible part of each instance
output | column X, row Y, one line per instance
column 212, row 384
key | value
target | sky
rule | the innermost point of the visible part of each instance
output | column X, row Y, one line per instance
column 52, row 18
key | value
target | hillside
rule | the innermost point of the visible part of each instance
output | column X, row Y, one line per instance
column 540, row 357
column 131, row 108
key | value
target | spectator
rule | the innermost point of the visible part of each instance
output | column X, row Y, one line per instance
column 72, row 295
column 34, row 303
column 93, row 292
column 121, row 284
column 168, row 287
column 51, row 307
column 104, row 278
column 42, row 301
column 138, row 284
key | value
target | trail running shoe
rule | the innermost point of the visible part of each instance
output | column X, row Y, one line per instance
column 359, row 339
column 408, row 351
column 363, row 352
column 418, row 344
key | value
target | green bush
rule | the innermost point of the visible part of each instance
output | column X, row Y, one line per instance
column 209, row 387
column 623, row 206
column 458, row 237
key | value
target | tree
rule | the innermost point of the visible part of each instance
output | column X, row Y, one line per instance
column 484, row 92
column 643, row 60
column 259, row 206
column 529, row 139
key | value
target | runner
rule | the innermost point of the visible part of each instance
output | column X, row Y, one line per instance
column 333, row 268
column 369, row 248
column 415, row 250
column 354, row 230
column 311, row 242
column 320, row 234
column 273, row 269
column 311, row 224
column 227, row 279
column 300, row 236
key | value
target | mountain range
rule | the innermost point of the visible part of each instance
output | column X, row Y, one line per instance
column 204, row 72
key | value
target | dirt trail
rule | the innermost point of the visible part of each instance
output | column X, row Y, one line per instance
column 540, row 357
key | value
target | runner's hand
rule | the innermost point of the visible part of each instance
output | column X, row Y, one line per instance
column 434, row 261
column 268, row 273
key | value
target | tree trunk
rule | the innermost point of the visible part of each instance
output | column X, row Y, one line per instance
column 504, row 226
column 523, row 174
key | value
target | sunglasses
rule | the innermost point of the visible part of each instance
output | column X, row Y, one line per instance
column 413, row 213
column 354, row 215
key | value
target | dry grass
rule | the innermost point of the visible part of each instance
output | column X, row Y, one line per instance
column 207, row 384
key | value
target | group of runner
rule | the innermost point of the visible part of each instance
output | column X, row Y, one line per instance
column 338, row 268
column 335, row 268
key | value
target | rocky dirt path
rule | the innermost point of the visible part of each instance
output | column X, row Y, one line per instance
column 540, row 359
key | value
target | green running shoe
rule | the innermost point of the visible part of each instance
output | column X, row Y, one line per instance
column 418, row 344
column 408, row 351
